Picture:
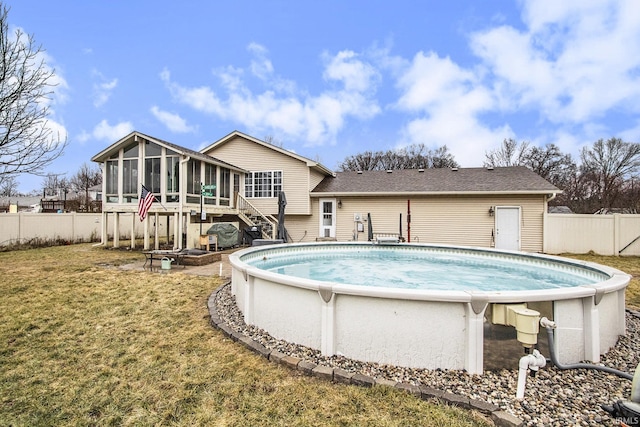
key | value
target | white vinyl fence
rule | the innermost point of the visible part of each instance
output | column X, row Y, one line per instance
column 73, row 227
column 617, row 234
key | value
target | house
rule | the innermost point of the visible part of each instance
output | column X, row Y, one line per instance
column 177, row 177
column 20, row 204
column 486, row 207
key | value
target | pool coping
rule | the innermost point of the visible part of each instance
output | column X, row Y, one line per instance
column 498, row 416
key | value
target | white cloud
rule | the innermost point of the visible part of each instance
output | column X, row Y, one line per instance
column 200, row 98
column 103, row 131
column 447, row 101
column 261, row 66
column 282, row 109
column 574, row 61
column 103, row 89
column 356, row 75
column 173, row 122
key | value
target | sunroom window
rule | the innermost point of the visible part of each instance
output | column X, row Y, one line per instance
column 225, row 187
column 210, row 179
column 130, row 188
column 193, row 181
column 111, row 171
column 152, row 161
column 173, row 177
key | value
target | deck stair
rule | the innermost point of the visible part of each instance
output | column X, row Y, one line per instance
column 253, row 217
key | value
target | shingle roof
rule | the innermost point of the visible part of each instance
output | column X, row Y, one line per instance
column 104, row 154
column 518, row 179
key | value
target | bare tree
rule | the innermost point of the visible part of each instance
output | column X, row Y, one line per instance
column 415, row 156
column 270, row 139
column 8, row 186
column 550, row 163
column 509, row 154
column 606, row 166
column 27, row 141
column 54, row 184
column 442, row 158
column 86, row 177
column 366, row 161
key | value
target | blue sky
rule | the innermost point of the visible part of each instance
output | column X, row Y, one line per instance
column 334, row 78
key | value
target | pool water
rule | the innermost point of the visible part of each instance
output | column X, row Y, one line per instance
column 427, row 269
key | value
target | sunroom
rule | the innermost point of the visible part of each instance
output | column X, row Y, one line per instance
column 190, row 191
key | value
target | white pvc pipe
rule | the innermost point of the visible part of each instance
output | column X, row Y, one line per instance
column 533, row 361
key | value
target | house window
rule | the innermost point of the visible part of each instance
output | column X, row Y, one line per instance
column 225, row 187
column 263, row 184
column 173, row 178
column 152, row 153
column 112, row 181
column 152, row 174
column 193, row 181
column 130, row 173
column 210, row 179
column 130, row 179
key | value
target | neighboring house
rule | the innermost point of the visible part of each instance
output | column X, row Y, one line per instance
column 20, row 203
column 560, row 210
column 501, row 207
column 95, row 193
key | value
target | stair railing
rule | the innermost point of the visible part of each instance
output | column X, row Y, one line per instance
column 247, row 211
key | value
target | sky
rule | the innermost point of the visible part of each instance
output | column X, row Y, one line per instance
column 334, row 78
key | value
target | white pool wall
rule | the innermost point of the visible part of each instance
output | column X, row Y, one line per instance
column 419, row 328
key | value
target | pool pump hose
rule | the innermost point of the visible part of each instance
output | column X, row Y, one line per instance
column 550, row 326
column 626, row 411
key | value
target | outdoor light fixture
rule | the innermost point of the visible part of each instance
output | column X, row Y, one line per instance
column 491, row 211
column 340, row 203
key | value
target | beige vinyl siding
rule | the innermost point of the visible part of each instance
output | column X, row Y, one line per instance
column 302, row 228
column 255, row 157
column 462, row 220
column 315, row 178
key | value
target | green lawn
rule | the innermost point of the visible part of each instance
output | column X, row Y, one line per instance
column 86, row 343
column 630, row 265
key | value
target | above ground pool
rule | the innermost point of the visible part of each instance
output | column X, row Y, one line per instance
column 422, row 306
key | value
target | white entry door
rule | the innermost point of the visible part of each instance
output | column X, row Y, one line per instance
column 328, row 218
column 508, row 227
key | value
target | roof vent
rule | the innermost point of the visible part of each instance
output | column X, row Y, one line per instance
column 359, row 172
column 389, row 171
column 420, row 170
column 454, row 169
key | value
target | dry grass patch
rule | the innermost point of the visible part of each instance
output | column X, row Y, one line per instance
column 628, row 264
column 85, row 343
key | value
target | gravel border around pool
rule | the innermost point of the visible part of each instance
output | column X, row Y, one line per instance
column 552, row 398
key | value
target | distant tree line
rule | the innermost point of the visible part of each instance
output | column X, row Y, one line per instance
column 416, row 156
column 606, row 180
column 76, row 188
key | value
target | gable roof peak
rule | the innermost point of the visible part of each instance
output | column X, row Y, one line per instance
column 311, row 163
